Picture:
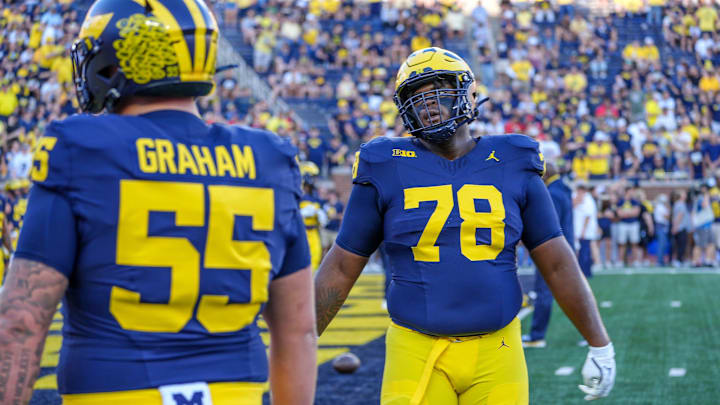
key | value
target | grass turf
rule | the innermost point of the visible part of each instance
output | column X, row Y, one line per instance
column 650, row 337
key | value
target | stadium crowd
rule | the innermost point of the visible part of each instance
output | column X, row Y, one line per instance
column 627, row 95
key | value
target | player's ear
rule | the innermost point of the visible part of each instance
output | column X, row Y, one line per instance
column 472, row 95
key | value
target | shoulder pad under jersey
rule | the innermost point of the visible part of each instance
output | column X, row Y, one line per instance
column 266, row 146
column 280, row 144
column 374, row 154
column 526, row 150
column 52, row 162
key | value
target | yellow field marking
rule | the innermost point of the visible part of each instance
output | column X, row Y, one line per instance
column 349, row 337
column 51, row 353
column 46, row 382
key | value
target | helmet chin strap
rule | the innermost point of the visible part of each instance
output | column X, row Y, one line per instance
column 439, row 135
column 444, row 133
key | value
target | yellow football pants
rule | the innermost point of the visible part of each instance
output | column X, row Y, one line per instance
column 313, row 235
column 479, row 370
column 222, row 393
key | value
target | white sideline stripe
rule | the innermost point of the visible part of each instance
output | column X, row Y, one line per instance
column 656, row 271
column 525, row 312
column 606, row 304
column 676, row 304
column 623, row 271
column 565, row 370
column 676, row 372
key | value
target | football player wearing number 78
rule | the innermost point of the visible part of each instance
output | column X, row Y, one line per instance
column 450, row 209
column 164, row 237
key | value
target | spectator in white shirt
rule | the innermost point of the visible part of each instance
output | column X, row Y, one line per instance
column 586, row 228
column 704, row 46
column 20, row 162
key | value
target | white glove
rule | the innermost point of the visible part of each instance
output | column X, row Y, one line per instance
column 598, row 372
column 308, row 211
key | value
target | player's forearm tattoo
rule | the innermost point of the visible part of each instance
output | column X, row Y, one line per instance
column 328, row 303
column 28, row 302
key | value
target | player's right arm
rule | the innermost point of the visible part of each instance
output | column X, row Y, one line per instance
column 335, row 277
column 360, row 235
column 39, row 271
column 36, row 282
column 28, row 302
column 556, row 262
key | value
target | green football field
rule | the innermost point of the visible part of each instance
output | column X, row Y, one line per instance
column 659, row 320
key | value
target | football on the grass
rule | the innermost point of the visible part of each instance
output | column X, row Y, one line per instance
column 346, row 363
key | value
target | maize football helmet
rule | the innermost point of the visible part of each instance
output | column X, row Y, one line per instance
column 144, row 47
column 422, row 112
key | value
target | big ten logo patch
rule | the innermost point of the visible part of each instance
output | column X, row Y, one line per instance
column 404, row 153
column 186, row 394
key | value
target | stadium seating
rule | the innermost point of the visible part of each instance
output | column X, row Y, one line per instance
column 571, row 77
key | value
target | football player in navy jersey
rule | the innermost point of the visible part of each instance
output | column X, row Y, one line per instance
column 450, row 210
column 164, row 237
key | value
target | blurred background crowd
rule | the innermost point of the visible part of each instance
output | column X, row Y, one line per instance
column 624, row 96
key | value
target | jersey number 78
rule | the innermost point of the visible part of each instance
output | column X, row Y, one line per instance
column 426, row 251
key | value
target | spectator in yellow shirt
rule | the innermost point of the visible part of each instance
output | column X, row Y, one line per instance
column 631, row 52
column 709, row 82
column 420, row 41
column 36, row 35
column 575, row 81
column 538, row 95
column 8, row 101
column 522, row 70
column 524, row 18
column 580, row 165
column 432, row 20
column 599, row 152
column 649, row 51
column 579, row 26
column 689, row 130
column 652, row 110
column 63, row 67
column 707, row 17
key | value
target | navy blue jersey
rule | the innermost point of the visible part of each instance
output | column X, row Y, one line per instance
column 628, row 204
column 450, row 228
column 334, row 212
column 622, row 143
column 715, row 107
column 561, row 195
column 169, row 231
column 712, row 151
column 317, row 149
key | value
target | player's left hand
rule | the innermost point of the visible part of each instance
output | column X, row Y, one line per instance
column 598, row 372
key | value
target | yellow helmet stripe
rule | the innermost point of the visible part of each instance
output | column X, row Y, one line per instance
column 94, row 26
column 200, row 28
column 210, row 63
column 212, row 55
column 176, row 35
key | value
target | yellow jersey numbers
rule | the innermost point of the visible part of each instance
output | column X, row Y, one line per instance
column 427, row 251
column 187, row 200
column 39, row 171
